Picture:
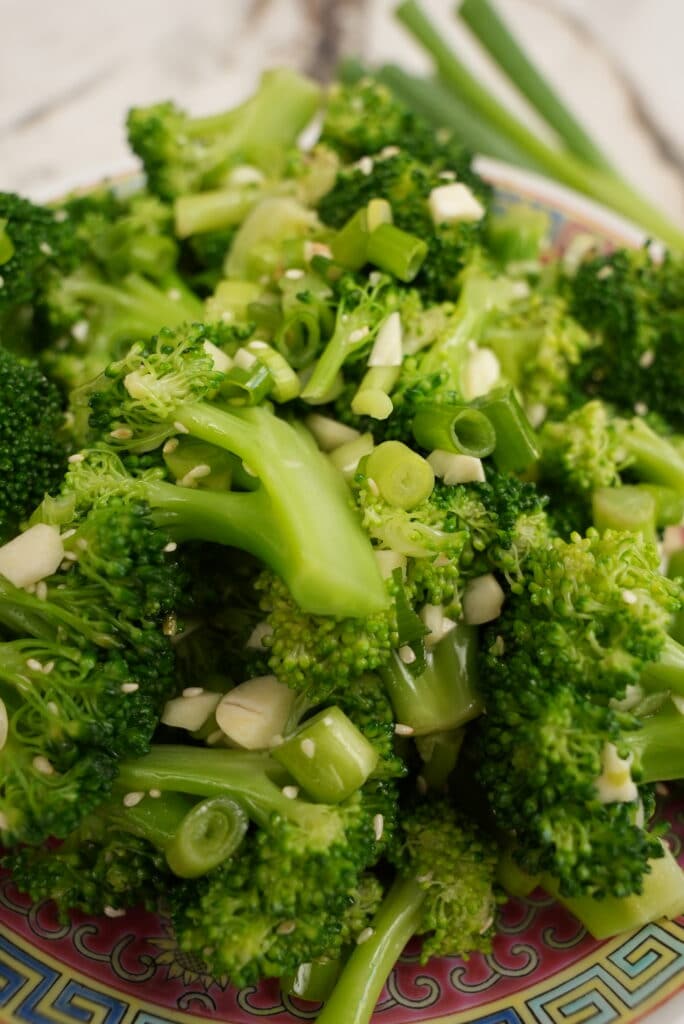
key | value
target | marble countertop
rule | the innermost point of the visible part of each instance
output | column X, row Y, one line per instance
column 69, row 71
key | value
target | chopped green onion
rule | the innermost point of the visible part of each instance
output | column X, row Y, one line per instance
column 350, row 245
column 403, row 477
column 372, row 398
column 459, row 429
column 210, row 833
column 286, row 383
column 346, row 458
column 396, row 251
column 516, row 443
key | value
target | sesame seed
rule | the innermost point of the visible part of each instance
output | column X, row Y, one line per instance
column 193, row 691
column 130, row 687
column 487, row 925
column 286, row 928
column 41, row 590
column 70, row 556
column 68, row 533
column 293, row 274
column 171, row 546
column 661, row 789
column 364, row 936
column 170, row 445
column 389, row 151
column 61, row 216
column 155, row 793
column 359, row 334
column 647, row 358
column 447, row 175
column 174, row 294
column 180, row 428
column 45, row 248
column 291, row 792
column 42, row 765
column 76, row 457
column 378, row 827
column 2, row 280
column 82, row 543
column 52, row 707
column 4, row 823
column 365, row 164
column 421, row 785
column 403, row 730
column 114, row 912
column 48, row 667
column 422, row 879
column 121, row 434
column 34, row 664
column 214, row 738
column 640, row 408
column 629, row 597
column 194, row 474
column 80, row 330
column 308, row 747
column 133, row 799
column 373, row 487
column 604, row 272
column 407, row 654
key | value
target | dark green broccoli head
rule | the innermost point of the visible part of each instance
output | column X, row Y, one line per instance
column 33, row 450
column 454, row 865
column 94, row 871
column 633, row 308
column 35, row 242
column 406, row 184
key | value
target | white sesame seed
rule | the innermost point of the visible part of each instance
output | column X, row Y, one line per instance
column 46, row 248
column 286, row 928
column 68, row 533
column 121, row 434
column 604, row 272
column 70, row 556
column 174, row 294
column 215, row 737
column 114, row 912
column 378, row 827
column 194, row 474
column 170, row 445
column 130, row 687
column 2, row 281
column 661, row 789
column 154, row 793
column 487, row 925
column 647, row 358
column 640, row 408
column 421, row 785
column 291, row 792
column 422, row 879
column 373, row 487
column 61, row 216
column 403, row 730
column 293, row 274
column 82, row 544
column 133, row 799
column 447, row 175
column 4, row 823
column 308, row 747
column 365, row 164
column 359, row 334
column 52, row 707
column 76, row 457
column 364, row 936
column 80, row 330
column 42, row 765
column 629, row 597
column 34, row 664
column 41, row 590
column 193, row 691
column 407, row 654
column 171, row 546
column 180, row 428
column 389, row 151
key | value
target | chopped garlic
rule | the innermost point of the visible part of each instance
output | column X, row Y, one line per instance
column 454, row 202
column 456, row 469
column 436, row 622
column 387, row 350
column 31, row 556
column 482, row 600
column 254, row 712
column 480, row 374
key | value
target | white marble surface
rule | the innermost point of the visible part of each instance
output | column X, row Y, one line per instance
column 69, row 71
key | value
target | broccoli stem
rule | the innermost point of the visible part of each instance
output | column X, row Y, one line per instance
column 496, row 38
column 658, row 746
column 299, row 520
column 667, row 673
column 363, row 976
column 396, row 251
column 606, row 188
column 624, row 508
column 651, row 457
column 213, row 211
column 203, row 772
column 443, row 696
column 312, row 981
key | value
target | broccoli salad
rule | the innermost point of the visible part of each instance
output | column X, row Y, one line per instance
column 341, row 579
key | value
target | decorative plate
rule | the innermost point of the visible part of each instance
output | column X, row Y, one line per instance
column 544, row 968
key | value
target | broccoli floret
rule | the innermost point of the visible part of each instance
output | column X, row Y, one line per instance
column 172, row 387
column 37, row 242
column 592, row 450
column 587, row 621
column 182, row 154
column 539, row 346
column 406, row 184
column 85, row 672
column 633, row 308
column 444, row 890
column 364, row 118
column 33, row 449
